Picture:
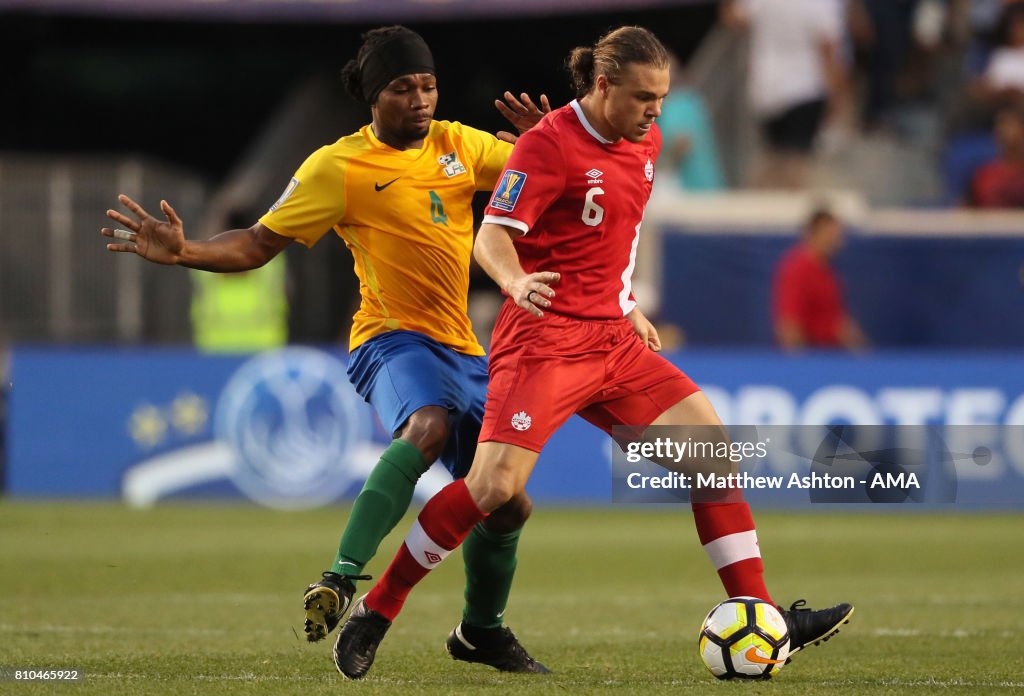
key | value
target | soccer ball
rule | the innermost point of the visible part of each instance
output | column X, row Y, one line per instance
column 744, row 638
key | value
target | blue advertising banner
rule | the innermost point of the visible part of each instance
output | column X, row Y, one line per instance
column 286, row 429
column 906, row 291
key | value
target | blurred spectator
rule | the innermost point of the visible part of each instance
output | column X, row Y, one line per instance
column 797, row 79
column 974, row 25
column 883, row 33
column 807, row 302
column 986, row 29
column 688, row 149
column 240, row 312
column 1000, row 182
column 898, row 44
column 964, row 154
column 1002, row 83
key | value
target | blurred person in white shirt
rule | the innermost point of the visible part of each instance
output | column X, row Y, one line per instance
column 1002, row 83
column 797, row 79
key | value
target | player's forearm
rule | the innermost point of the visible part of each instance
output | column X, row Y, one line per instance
column 228, row 252
column 496, row 254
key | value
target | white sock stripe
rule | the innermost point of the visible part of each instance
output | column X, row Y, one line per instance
column 731, row 548
column 424, row 549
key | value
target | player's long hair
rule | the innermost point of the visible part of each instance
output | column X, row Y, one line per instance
column 611, row 54
column 351, row 76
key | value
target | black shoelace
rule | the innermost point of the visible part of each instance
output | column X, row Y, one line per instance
column 331, row 575
column 798, row 605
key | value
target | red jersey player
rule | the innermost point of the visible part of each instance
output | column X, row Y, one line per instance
column 570, row 338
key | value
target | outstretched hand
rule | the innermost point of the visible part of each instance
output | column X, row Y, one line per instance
column 521, row 113
column 152, row 239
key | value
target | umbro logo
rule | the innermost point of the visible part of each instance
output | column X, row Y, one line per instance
column 432, row 557
column 381, row 187
column 594, row 176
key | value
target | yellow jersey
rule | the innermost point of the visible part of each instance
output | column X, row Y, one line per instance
column 407, row 218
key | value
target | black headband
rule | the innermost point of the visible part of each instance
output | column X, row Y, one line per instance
column 404, row 54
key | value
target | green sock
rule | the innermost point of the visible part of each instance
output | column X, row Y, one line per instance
column 380, row 505
column 490, row 560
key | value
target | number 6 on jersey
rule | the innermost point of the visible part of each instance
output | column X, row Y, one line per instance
column 593, row 213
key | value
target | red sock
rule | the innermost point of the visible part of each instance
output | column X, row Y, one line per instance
column 727, row 533
column 443, row 523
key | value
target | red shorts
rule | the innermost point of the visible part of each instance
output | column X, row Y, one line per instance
column 542, row 371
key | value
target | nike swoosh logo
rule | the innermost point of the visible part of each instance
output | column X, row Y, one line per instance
column 754, row 655
column 378, row 187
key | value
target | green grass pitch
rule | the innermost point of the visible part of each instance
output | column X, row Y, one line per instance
column 207, row 599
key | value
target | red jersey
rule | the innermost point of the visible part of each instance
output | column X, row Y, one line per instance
column 807, row 293
column 998, row 184
column 579, row 200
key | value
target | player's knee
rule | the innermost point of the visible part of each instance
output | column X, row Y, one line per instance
column 427, row 429
column 492, row 490
column 512, row 515
column 499, row 474
column 498, row 491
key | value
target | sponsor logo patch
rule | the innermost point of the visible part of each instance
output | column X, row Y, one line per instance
column 452, row 165
column 508, row 190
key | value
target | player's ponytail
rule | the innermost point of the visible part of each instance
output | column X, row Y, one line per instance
column 611, row 54
column 581, row 68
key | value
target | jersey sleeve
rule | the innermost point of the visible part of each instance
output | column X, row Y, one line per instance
column 532, row 180
column 312, row 203
column 486, row 156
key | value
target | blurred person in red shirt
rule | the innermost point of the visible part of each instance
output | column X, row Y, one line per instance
column 1000, row 182
column 807, row 303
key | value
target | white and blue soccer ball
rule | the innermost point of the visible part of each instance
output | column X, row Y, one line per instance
column 744, row 638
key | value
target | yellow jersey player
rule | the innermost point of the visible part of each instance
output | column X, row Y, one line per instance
column 399, row 193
